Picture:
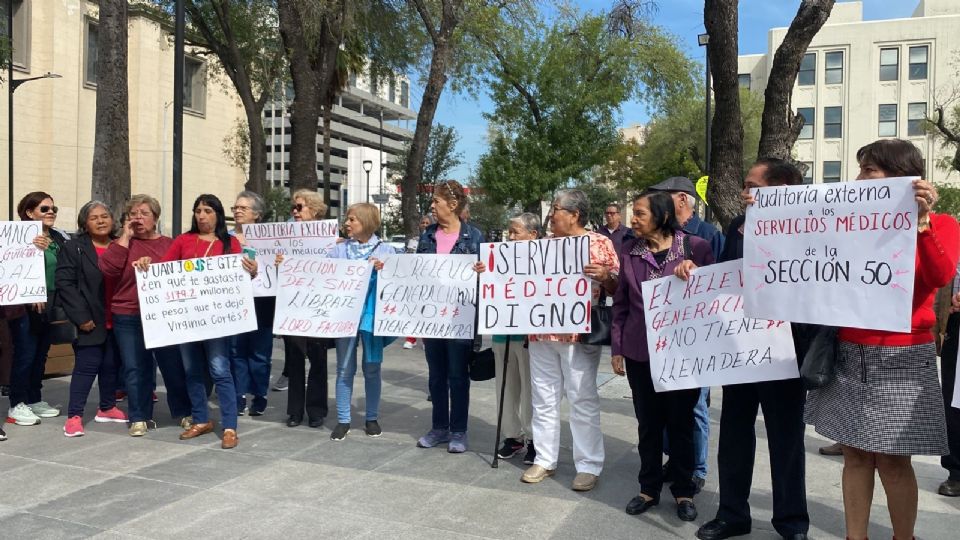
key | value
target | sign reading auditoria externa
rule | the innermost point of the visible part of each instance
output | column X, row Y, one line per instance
column 698, row 334
column 837, row 254
column 320, row 297
column 428, row 296
column 22, row 278
column 194, row 300
column 290, row 239
column 535, row 287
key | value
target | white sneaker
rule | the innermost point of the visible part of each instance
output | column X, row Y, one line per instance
column 282, row 384
column 21, row 415
column 409, row 344
column 44, row 410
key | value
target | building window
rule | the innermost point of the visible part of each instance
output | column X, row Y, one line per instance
column 392, row 91
column 888, row 120
column 21, row 31
column 832, row 122
column 194, row 85
column 889, row 64
column 374, row 82
column 831, row 171
column 404, row 94
column 834, row 67
column 918, row 63
column 808, row 173
column 808, row 70
column 916, row 116
column 352, row 79
column 809, row 119
column 90, row 53
column 744, row 80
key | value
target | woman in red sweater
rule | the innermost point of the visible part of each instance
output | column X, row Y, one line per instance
column 208, row 237
column 884, row 405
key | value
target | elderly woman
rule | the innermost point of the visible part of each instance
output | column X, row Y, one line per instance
column 363, row 220
column 139, row 238
column 884, row 404
column 30, row 330
column 561, row 365
column 251, row 352
column 660, row 246
column 517, row 411
column 85, row 296
column 447, row 359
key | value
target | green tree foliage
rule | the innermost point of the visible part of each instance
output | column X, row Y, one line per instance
column 488, row 215
column 557, row 91
column 441, row 158
column 949, row 201
column 278, row 205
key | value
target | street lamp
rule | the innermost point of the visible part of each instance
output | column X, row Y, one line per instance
column 11, row 88
column 368, row 166
column 704, row 41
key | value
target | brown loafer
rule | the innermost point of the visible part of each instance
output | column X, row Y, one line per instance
column 833, row 450
column 196, row 430
column 229, row 439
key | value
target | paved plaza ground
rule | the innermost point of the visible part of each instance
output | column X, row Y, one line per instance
column 296, row 483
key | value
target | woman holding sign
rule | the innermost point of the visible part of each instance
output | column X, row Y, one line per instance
column 447, row 359
column 884, row 404
column 660, row 246
column 208, row 237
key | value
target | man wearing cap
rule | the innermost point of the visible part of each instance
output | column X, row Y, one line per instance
column 684, row 199
column 614, row 229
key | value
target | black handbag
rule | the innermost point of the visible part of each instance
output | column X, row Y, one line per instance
column 601, row 319
column 820, row 360
column 481, row 366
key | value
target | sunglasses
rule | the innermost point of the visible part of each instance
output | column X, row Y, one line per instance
column 296, row 207
column 44, row 209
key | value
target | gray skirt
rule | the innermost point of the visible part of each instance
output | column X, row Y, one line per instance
column 883, row 399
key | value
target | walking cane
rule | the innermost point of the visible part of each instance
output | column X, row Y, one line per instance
column 503, row 387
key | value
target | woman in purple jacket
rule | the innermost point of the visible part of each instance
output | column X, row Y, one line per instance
column 659, row 247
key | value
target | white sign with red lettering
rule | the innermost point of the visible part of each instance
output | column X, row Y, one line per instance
column 320, row 297
column 290, row 239
column 22, row 277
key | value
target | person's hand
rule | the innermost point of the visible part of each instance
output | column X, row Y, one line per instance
column 250, row 265
column 617, row 364
column 142, row 263
column 479, row 267
column 278, row 260
column 747, row 198
column 926, row 195
column 684, row 269
column 377, row 264
column 955, row 303
column 87, row 326
column 597, row 272
column 39, row 306
column 41, row 242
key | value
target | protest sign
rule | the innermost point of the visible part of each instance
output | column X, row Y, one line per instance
column 698, row 335
column 291, row 239
column 22, row 277
column 836, row 254
column 320, row 297
column 427, row 296
column 194, row 300
column 535, row 287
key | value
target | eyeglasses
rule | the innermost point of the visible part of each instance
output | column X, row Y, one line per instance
column 44, row 209
column 140, row 214
column 610, row 213
column 235, row 208
column 296, row 207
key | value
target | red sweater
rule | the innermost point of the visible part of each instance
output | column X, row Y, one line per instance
column 117, row 264
column 190, row 246
column 938, row 249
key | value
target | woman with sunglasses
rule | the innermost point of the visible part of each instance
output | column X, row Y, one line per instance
column 31, row 331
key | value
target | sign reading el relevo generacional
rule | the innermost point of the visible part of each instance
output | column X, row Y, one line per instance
column 698, row 334
column 427, row 296
column 22, row 277
column 195, row 299
column 535, row 287
column 838, row 254
column 290, row 239
column 320, row 297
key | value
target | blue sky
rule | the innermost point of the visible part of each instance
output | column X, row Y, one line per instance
column 683, row 18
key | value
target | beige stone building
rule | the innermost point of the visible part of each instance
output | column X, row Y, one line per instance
column 55, row 118
column 864, row 80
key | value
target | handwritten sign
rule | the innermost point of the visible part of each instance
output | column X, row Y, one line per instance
column 535, row 287
column 836, row 254
column 698, row 335
column 320, row 297
column 22, row 277
column 429, row 296
column 194, row 300
column 291, row 239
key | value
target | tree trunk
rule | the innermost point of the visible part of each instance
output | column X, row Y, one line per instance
column 111, row 147
column 780, row 126
column 305, row 110
column 257, row 179
column 327, row 113
column 726, row 141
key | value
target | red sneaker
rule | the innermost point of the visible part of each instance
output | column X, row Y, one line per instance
column 111, row 415
column 73, row 427
column 120, row 395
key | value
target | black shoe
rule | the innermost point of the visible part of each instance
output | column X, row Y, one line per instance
column 797, row 536
column 3, row 435
column 258, row 412
column 340, row 432
column 5, row 390
column 686, row 510
column 316, row 422
column 294, row 421
column 698, row 484
column 718, row 529
column 510, row 448
column 372, row 428
column 531, row 454
column 639, row 505
column 950, row 488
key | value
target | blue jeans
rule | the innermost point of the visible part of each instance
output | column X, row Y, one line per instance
column 93, row 362
column 250, row 355
column 213, row 355
column 701, row 434
column 346, row 369
column 31, row 343
column 449, row 382
column 140, row 371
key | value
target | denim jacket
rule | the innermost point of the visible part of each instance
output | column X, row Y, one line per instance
column 467, row 244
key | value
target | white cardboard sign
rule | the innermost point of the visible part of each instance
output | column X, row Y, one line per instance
column 291, row 239
column 321, row 297
column 22, row 272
